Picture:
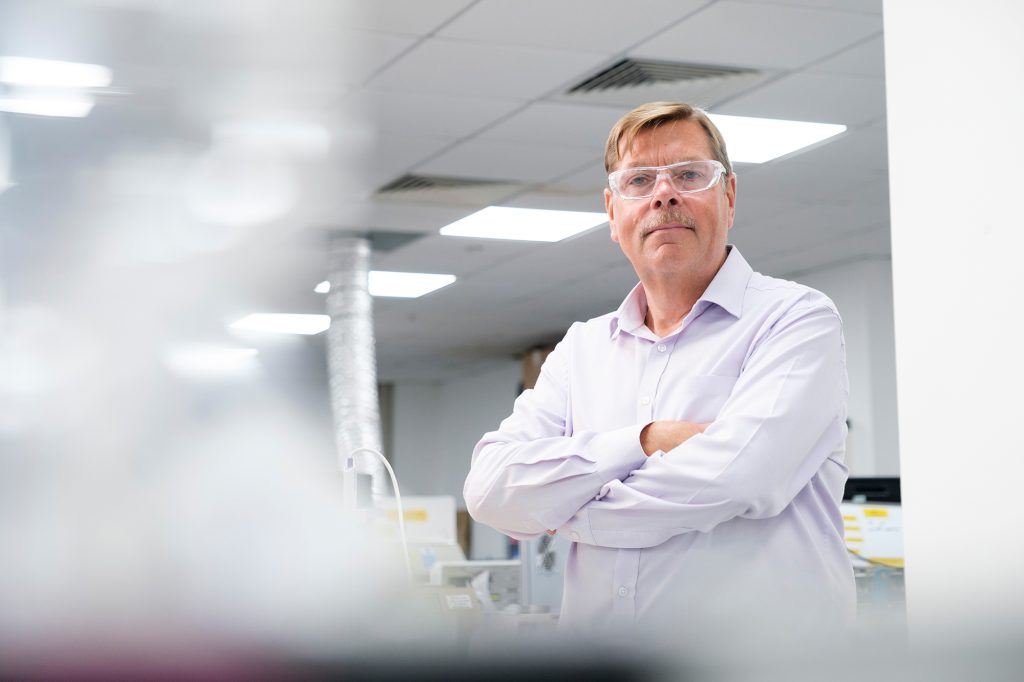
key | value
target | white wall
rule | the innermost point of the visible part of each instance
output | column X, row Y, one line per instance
column 953, row 88
column 862, row 291
column 435, row 428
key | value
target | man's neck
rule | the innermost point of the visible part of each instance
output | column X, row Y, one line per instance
column 669, row 301
column 671, row 297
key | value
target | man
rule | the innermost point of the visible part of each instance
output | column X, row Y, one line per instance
column 690, row 443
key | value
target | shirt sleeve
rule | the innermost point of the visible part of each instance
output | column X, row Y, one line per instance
column 784, row 418
column 529, row 476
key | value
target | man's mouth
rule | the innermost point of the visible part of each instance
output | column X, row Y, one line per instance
column 671, row 223
column 669, row 226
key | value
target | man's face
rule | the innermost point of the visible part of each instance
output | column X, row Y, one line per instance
column 672, row 232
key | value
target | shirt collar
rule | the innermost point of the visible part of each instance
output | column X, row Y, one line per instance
column 631, row 313
column 729, row 286
column 726, row 290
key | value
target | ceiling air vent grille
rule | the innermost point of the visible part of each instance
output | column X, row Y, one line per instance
column 414, row 183
column 632, row 72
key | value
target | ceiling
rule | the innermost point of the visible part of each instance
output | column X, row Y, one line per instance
column 150, row 214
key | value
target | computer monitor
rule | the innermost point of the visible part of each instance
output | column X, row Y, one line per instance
column 872, row 489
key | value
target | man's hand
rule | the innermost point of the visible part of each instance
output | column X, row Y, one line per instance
column 667, row 434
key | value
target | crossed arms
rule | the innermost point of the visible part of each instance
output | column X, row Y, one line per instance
column 783, row 419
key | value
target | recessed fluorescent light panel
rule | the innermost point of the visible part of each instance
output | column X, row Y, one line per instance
column 523, row 224
column 756, row 140
column 283, row 323
column 399, row 284
column 68, row 106
column 49, row 73
column 46, row 87
column 406, row 284
column 201, row 361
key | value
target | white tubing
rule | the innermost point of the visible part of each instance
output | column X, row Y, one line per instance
column 398, row 505
column 352, row 361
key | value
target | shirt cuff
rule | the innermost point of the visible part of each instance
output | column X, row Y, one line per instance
column 617, row 453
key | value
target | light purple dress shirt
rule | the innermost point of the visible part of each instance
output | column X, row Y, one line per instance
column 738, row 526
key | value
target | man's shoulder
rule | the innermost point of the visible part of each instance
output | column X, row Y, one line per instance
column 600, row 325
column 775, row 292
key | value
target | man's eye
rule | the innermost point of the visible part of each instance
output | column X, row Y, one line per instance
column 638, row 180
column 689, row 175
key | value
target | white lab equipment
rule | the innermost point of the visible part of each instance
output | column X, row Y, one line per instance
column 500, row 589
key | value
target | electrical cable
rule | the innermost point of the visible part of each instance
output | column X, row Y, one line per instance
column 873, row 562
column 398, row 504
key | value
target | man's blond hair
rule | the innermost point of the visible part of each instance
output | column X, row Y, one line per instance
column 653, row 114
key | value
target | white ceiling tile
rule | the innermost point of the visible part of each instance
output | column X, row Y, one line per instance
column 759, row 35
column 341, row 57
column 402, row 16
column 578, row 257
column 342, row 187
column 559, row 201
column 453, row 255
column 865, row 6
column 477, row 69
column 566, row 125
column 812, row 96
column 866, row 59
column 603, row 26
column 374, row 51
column 875, row 242
column 596, row 294
column 813, row 223
column 338, row 56
column 506, row 161
column 393, row 217
column 400, row 152
column 591, row 179
column 427, row 113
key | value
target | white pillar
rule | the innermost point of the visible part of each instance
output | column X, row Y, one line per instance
column 955, row 75
column 862, row 290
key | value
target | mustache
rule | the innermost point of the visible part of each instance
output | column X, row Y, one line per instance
column 669, row 217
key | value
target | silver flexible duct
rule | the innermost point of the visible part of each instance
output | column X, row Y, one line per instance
column 352, row 360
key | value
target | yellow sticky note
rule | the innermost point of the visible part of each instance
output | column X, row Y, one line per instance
column 410, row 515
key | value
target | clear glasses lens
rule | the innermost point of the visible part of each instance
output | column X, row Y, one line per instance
column 688, row 176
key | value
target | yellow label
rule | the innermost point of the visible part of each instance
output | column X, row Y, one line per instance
column 855, row 539
column 876, row 512
column 849, row 518
column 893, row 563
column 855, row 529
column 410, row 515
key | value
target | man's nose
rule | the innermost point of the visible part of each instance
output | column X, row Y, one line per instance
column 665, row 193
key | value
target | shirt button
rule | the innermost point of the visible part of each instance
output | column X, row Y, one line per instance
column 662, row 348
column 623, row 591
column 574, row 535
column 646, row 400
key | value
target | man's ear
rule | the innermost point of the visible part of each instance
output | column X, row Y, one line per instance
column 730, row 193
column 609, row 208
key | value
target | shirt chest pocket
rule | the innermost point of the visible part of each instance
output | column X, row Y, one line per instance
column 697, row 398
